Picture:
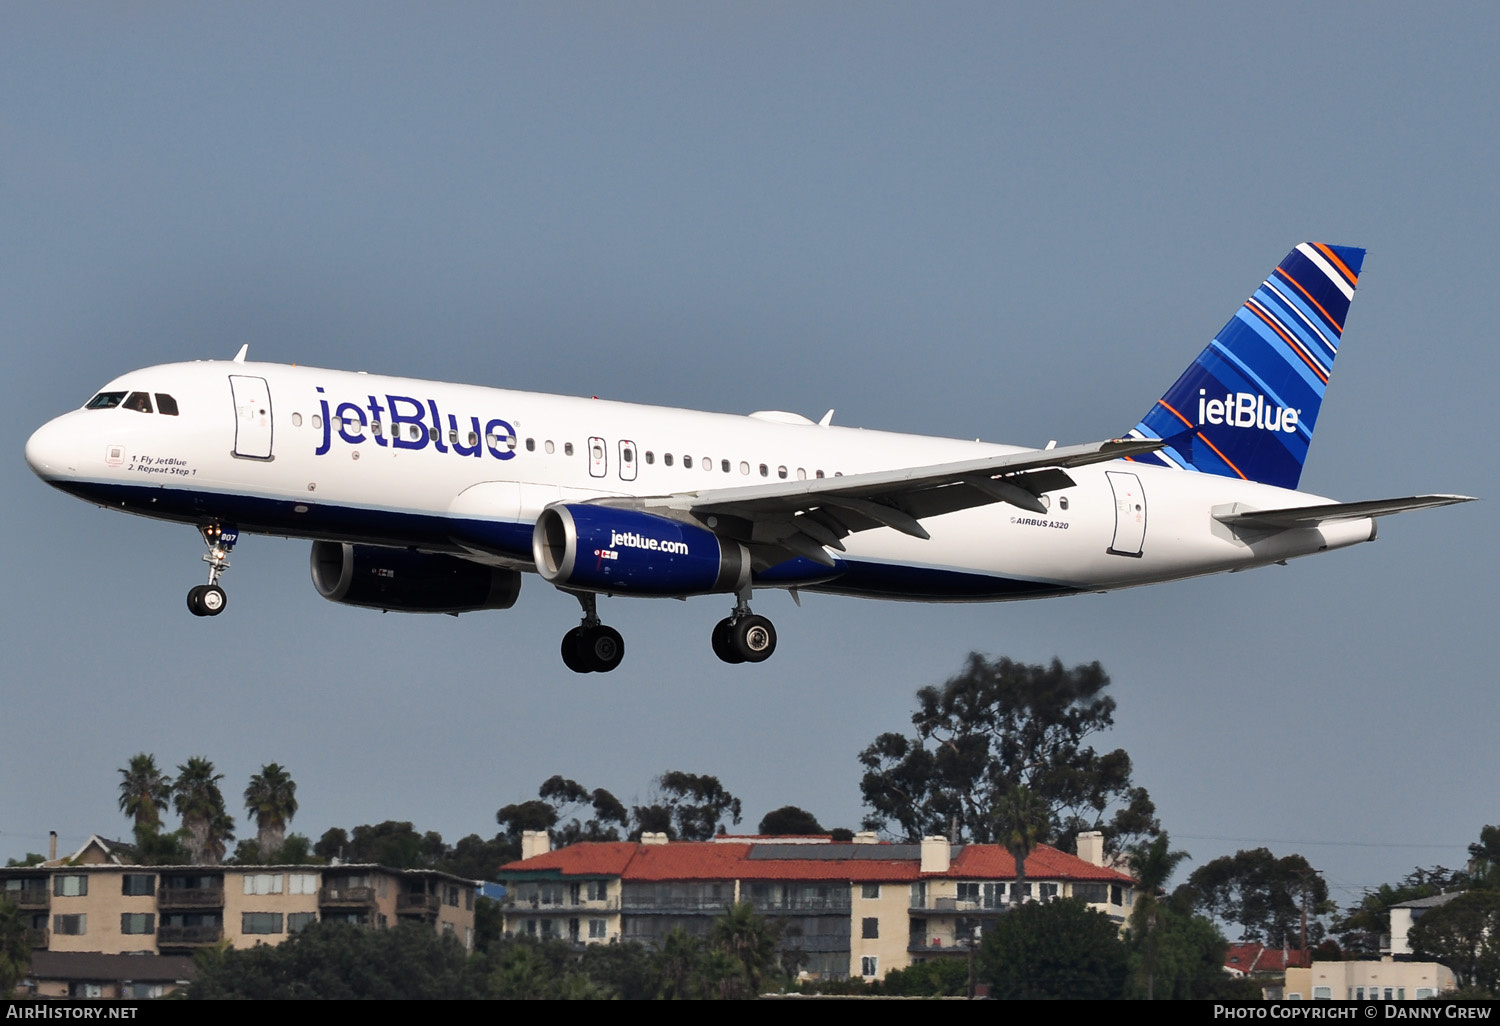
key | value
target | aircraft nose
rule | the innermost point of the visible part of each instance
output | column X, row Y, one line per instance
column 48, row 451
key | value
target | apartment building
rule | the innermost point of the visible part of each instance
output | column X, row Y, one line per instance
column 850, row 909
column 98, row 901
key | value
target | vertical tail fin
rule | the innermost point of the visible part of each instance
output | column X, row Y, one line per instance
column 1247, row 406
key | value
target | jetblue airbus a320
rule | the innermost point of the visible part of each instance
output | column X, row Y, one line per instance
column 427, row 497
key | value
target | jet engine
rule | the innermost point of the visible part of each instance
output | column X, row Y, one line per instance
column 622, row 551
column 409, row 581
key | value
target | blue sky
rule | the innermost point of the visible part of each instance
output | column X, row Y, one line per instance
column 1002, row 221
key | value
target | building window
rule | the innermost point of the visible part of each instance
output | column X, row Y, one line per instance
column 137, row 922
column 450, row 895
column 597, row 890
column 302, row 883
column 70, row 886
column 448, row 930
column 1322, row 993
column 299, row 921
column 870, row 891
column 1048, row 891
column 138, row 885
column 263, row 883
column 596, row 929
column 869, row 929
column 260, row 922
column 71, row 926
column 869, row 965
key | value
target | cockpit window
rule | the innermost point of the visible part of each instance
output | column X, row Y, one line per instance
column 166, row 405
column 139, row 402
column 105, row 401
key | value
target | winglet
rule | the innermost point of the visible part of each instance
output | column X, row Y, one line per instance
column 827, row 419
column 239, row 357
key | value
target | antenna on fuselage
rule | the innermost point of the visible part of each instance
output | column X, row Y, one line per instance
column 239, row 357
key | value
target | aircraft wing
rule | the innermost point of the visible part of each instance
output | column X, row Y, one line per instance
column 802, row 517
column 1312, row 516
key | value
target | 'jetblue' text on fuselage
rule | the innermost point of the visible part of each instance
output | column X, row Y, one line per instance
column 406, row 423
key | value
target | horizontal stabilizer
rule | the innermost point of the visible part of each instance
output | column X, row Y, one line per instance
column 1236, row 515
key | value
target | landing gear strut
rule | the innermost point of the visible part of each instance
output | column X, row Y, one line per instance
column 592, row 647
column 743, row 637
column 209, row 599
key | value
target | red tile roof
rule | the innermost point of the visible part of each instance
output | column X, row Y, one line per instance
column 723, row 860
column 1257, row 958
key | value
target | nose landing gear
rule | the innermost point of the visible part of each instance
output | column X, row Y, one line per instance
column 209, row 599
column 592, row 647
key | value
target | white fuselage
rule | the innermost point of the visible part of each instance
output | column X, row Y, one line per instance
column 298, row 455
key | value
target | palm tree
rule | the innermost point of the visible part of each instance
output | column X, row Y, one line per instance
column 1022, row 821
column 197, row 798
column 144, row 791
column 750, row 939
column 272, row 799
column 1152, row 866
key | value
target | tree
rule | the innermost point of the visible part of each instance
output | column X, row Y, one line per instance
column 1263, row 894
column 342, row 962
column 1053, row 949
column 1464, row 935
column 689, row 807
column 751, row 940
column 1365, row 922
column 1020, row 822
column 15, row 948
column 272, row 799
column 144, row 793
column 1484, row 859
column 995, row 726
column 199, row 802
column 789, row 820
column 1152, row 865
column 1187, row 956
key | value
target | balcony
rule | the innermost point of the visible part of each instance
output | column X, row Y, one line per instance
column 361, row 897
column 38, row 937
column 417, row 904
column 190, row 897
column 715, row 906
column 513, row 903
column 188, row 936
column 39, row 897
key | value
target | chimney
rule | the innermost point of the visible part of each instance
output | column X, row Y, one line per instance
column 535, row 842
column 654, row 837
column 51, row 845
column 934, row 855
column 1091, row 847
column 866, row 837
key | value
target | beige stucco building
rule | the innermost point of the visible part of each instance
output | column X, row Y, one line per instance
column 1386, row 980
column 855, row 909
column 97, row 902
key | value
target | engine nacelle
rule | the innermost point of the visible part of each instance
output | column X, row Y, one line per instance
column 407, row 581
column 599, row 548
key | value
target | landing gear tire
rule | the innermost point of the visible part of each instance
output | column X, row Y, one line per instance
column 722, row 643
column 195, row 600
column 753, row 639
column 572, row 655
column 596, row 649
column 212, row 600
column 602, row 648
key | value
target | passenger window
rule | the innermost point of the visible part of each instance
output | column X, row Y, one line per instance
column 296, row 417
column 687, row 463
column 166, row 405
column 375, row 427
column 105, row 401
column 781, row 473
column 567, row 448
column 549, row 447
column 820, row 473
column 766, row 473
column 725, row 465
column 416, row 432
column 666, row 458
column 530, row 445
column 744, row 467
column 650, row 456
column 432, row 434
column 317, row 422
column 628, row 455
column 452, row 437
column 140, row 402
column 473, row 438
column 801, row 474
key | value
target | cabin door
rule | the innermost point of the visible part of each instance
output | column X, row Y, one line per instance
column 1130, row 513
column 252, row 417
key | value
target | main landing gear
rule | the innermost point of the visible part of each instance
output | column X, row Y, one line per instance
column 209, row 599
column 592, row 647
column 743, row 637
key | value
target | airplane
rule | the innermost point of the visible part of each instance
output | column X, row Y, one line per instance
column 423, row 496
